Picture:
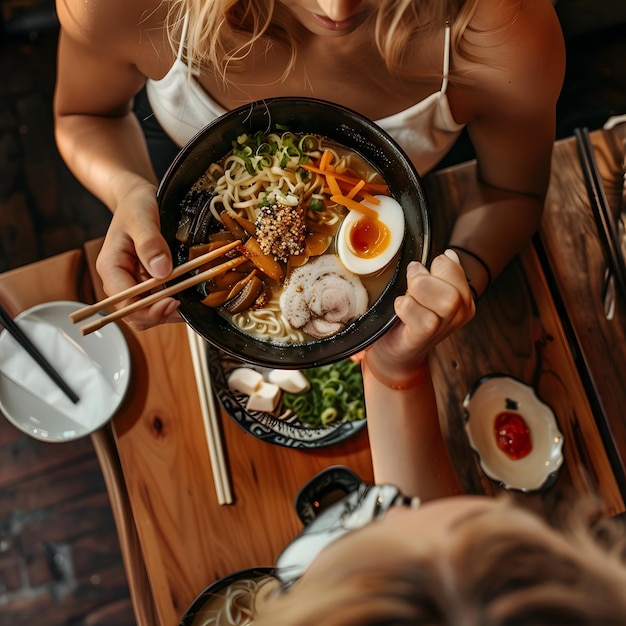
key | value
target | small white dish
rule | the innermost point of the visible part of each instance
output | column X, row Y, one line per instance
column 96, row 367
column 497, row 394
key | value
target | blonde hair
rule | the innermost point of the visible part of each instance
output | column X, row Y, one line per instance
column 496, row 577
column 221, row 33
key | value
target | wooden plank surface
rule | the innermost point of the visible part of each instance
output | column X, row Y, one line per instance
column 570, row 239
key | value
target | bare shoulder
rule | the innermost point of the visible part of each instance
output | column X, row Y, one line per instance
column 517, row 55
column 110, row 23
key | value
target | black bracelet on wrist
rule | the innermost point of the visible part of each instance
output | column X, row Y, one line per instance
column 479, row 260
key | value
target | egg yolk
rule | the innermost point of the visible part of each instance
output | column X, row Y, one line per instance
column 368, row 237
column 512, row 435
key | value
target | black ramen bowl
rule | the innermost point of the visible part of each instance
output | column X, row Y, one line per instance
column 195, row 614
column 337, row 124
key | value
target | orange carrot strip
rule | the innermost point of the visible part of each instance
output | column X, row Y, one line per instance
column 355, row 189
column 353, row 180
column 335, row 189
column 345, row 187
column 313, row 168
column 346, row 178
column 327, row 157
column 377, row 187
column 367, row 187
column 355, row 206
column 371, row 199
column 360, row 195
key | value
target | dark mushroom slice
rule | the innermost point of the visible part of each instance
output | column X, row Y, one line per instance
column 193, row 203
column 219, row 292
column 228, row 280
column 265, row 262
column 246, row 298
column 200, row 227
column 246, row 224
column 233, row 226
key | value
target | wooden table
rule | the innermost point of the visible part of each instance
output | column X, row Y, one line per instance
column 176, row 538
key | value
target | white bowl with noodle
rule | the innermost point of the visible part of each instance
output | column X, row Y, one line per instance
column 249, row 340
column 231, row 600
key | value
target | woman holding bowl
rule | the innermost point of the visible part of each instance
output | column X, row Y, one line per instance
column 424, row 70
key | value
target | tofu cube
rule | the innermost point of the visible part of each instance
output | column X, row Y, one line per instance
column 292, row 381
column 245, row 380
column 265, row 398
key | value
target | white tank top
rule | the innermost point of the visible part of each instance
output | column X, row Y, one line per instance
column 426, row 131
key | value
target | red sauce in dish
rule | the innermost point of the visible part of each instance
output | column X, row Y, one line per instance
column 368, row 237
column 512, row 435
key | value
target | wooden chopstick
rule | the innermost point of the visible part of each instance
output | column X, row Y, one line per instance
column 159, row 295
column 605, row 223
column 20, row 336
column 210, row 416
column 151, row 283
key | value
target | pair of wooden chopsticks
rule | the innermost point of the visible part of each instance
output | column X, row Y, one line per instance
column 20, row 336
column 605, row 222
column 198, row 347
column 153, row 283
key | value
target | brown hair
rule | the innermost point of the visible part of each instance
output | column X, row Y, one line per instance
column 221, row 33
column 495, row 577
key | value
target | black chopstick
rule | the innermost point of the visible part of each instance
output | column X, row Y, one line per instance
column 607, row 228
column 19, row 335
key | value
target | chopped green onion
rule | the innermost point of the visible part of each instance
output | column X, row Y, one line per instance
column 308, row 143
column 335, row 395
column 316, row 204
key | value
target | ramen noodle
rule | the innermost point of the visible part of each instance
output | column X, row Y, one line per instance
column 235, row 605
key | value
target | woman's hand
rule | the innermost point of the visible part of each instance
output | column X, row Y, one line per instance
column 407, row 445
column 134, row 250
column 437, row 303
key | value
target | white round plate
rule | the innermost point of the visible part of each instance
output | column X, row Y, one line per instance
column 494, row 394
column 101, row 387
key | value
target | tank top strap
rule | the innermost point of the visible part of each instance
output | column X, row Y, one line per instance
column 183, row 38
column 446, row 58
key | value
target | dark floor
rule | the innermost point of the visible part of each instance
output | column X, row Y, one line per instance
column 59, row 558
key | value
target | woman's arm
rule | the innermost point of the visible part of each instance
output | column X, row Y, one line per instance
column 99, row 55
column 407, row 445
column 507, row 95
column 97, row 78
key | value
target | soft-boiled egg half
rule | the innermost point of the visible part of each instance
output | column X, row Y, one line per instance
column 367, row 241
